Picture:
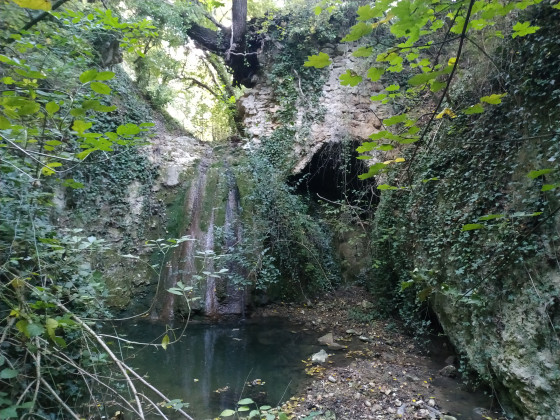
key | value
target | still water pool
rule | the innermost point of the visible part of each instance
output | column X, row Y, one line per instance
column 215, row 365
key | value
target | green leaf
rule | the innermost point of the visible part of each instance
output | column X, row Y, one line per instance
column 34, row 330
column 101, row 88
column 474, row 109
column 406, row 284
column 5, row 123
column 246, row 401
column 128, row 129
column 51, row 325
column 349, row 78
column 59, row 341
column 85, row 153
column 8, row 373
column 523, row 29
column 80, row 126
column 379, row 97
column 104, row 75
column 392, row 88
column 9, row 412
column 227, row 413
column 395, row 119
column 493, row 99
column 420, row 79
column 472, row 226
column 385, row 147
column 71, row 183
column 549, row 187
column 318, row 10
column 318, row 61
column 88, row 76
column 244, row 408
column 383, row 187
column 34, row 4
column 363, row 52
column 367, row 12
column 357, row 31
column 29, row 108
column 540, row 172
column 373, row 170
column 491, row 217
column 165, row 342
column 47, row 169
column 52, row 107
column 375, row 73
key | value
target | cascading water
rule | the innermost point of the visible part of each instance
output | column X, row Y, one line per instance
column 213, row 198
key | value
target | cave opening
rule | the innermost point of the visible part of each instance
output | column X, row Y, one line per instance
column 332, row 175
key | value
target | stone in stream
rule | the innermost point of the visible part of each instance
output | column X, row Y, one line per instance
column 336, row 346
column 319, row 357
column 327, row 339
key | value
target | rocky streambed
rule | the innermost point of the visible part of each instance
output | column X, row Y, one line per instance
column 370, row 370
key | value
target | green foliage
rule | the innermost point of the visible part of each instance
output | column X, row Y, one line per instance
column 467, row 240
column 52, row 98
column 410, row 28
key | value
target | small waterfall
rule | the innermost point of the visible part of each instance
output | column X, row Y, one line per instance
column 211, row 301
column 235, row 300
column 182, row 266
column 213, row 199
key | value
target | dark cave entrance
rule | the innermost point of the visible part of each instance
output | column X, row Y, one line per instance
column 332, row 175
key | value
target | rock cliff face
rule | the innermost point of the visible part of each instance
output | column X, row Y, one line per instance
column 347, row 113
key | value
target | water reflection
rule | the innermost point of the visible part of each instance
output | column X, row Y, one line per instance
column 212, row 364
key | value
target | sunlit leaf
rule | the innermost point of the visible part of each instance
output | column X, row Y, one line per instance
column 88, row 76
column 375, row 73
column 104, row 75
column 318, row 61
column 472, row 226
column 363, row 52
column 491, row 217
column 395, row 119
column 101, row 88
column 349, row 78
column 523, row 29
column 52, row 107
column 474, row 109
column 537, row 173
column 357, row 31
column 448, row 112
column 549, row 187
column 51, row 325
column 34, row 4
column 493, row 99
column 227, row 413
column 127, row 129
column 165, row 342
column 80, row 126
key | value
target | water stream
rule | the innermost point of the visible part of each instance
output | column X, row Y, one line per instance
column 211, row 365
column 214, row 365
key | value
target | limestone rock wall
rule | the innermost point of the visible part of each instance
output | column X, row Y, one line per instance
column 347, row 112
